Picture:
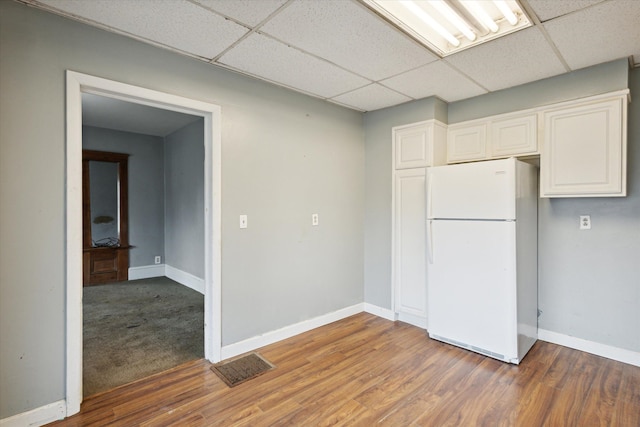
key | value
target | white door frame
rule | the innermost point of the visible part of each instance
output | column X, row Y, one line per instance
column 77, row 83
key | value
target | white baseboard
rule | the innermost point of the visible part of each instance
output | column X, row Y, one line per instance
column 412, row 319
column 146, row 271
column 37, row 417
column 385, row 313
column 271, row 337
column 610, row 352
column 184, row 278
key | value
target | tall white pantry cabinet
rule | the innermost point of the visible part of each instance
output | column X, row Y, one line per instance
column 415, row 146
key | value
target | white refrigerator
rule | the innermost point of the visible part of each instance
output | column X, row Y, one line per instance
column 482, row 257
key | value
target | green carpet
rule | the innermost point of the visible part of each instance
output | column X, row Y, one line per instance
column 135, row 329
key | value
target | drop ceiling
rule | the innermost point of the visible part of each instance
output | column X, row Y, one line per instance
column 340, row 51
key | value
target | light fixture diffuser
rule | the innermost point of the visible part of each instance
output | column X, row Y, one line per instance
column 449, row 26
column 453, row 17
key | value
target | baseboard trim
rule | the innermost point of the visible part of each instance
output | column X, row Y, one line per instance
column 412, row 319
column 146, row 271
column 610, row 352
column 37, row 417
column 271, row 337
column 385, row 313
column 184, row 278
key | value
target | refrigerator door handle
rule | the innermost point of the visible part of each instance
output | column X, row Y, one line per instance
column 429, row 216
column 429, row 194
column 429, row 241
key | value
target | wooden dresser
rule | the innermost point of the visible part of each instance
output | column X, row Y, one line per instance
column 105, row 263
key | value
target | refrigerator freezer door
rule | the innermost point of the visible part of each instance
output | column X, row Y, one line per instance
column 482, row 190
column 471, row 286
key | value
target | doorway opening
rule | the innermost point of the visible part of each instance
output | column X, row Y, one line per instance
column 77, row 84
column 143, row 241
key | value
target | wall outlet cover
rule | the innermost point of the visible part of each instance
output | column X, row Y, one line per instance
column 585, row 222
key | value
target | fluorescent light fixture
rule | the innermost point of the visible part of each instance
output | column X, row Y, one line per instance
column 477, row 10
column 448, row 26
column 506, row 12
column 426, row 18
column 455, row 19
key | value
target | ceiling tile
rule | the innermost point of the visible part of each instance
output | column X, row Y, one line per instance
column 548, row 9
column 266, row 58
column 162, row 21
column 249, row 12
column 349, row 35
column 602, row 33
column 517, row 58
column 371, row 98
column 435, row 79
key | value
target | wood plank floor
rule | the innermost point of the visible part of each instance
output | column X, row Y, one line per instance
column 365, row 370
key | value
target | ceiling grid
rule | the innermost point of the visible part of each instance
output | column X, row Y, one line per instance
column 343, row 52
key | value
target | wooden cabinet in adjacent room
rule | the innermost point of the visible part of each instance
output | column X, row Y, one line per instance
column 105, row 212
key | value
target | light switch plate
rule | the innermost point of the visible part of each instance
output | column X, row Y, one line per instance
column 243, row 221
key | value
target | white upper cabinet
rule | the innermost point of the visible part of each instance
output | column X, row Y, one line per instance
column 514, row 136
column 419, row 145
column 467, row 141
column 505, row 135
column 582, row 144
column 584, row 149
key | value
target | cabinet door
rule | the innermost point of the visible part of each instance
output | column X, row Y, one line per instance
column 584, row 151
column 409, row 261
column 514, row 136
column 412, row 146
column 467, row 142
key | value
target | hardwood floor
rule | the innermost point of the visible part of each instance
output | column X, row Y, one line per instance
column 365, row 370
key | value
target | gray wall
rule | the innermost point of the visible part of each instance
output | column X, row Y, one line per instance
column 588, row 280
column 184, row 199
column 285, row 156
column 146, row 187
column 594, row 80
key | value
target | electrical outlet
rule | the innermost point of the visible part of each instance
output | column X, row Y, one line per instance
column 157, row 259
column 314, row 219
column 244, row 222
column 585, row 222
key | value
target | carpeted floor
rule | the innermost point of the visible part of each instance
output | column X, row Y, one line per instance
column 138, row 328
